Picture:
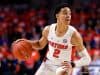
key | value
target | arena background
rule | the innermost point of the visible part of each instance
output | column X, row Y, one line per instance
column 26, row 19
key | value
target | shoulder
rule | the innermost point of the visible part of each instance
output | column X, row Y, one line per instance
column 76, row 34
column 76, row 37
column 75, row 31
column 72, row 28
column 47, row 28
column 45, row 31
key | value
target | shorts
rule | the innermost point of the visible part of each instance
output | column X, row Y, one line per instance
column 47, row 68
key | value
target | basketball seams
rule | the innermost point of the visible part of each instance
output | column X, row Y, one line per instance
column 15, row 52
column 25, row 50
column 22, row 50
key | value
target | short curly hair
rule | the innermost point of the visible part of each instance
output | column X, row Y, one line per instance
column 58, row 8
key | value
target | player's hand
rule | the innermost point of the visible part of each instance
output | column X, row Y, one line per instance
column 65, row 69
column 18, row 40
column 66, row 65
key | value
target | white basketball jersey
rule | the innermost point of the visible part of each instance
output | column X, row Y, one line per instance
column 60, row 48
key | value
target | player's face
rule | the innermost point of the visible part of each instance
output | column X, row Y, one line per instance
column 64, row 15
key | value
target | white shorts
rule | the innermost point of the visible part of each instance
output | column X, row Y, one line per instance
column 47, row 68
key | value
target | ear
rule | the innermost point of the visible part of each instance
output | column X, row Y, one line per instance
column 56, row 15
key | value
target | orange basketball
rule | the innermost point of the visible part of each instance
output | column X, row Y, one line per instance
column 35, row 56
column 22, row 50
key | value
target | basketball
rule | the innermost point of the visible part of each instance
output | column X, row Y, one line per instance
column 22, row 50
column 35, row 56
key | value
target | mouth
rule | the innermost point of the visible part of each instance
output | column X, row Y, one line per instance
column 67, row 19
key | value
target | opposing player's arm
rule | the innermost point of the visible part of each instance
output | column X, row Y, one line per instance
column 78, row 43
column 40, row 44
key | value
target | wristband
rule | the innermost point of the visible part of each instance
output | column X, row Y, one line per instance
column 73, row 64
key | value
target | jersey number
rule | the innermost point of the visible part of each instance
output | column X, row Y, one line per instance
column 56, row 53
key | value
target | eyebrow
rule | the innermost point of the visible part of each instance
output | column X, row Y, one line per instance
column 64, row 11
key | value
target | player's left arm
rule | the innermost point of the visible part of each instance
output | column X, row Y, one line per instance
column 82, row 51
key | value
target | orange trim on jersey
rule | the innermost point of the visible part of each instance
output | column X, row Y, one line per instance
column 73, row 55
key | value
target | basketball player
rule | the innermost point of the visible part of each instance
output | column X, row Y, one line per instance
column 61, row 36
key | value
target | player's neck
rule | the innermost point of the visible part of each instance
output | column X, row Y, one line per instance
column 61, row 27
column 61, row 24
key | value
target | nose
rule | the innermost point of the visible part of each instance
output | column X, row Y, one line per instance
column 67, row 16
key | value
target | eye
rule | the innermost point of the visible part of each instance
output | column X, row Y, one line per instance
column 67, row 13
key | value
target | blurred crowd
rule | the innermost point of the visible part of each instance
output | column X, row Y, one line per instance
column 28, row 23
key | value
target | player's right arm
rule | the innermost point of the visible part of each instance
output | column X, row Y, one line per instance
column 40, row 44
